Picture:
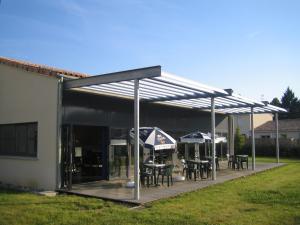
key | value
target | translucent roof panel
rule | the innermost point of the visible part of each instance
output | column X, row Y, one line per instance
column 160, row 87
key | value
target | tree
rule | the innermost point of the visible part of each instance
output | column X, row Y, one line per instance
column 288, row 100
column 295, row 107
column 239, row 141
column 276, row 102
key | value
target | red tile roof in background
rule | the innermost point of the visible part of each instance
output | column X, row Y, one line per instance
column 41, row 69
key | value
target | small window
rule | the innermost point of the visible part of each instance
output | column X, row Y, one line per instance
column 18, row 139
column 283, row 136
column 265, row 136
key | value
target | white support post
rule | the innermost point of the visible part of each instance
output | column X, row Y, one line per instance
column 277, row 137
column 252, row 138
column 230, row 142
column 186, row 151
column 59, row 133
column 232, row 150
column 136, row 141
column 129, row 160
column 213, row 124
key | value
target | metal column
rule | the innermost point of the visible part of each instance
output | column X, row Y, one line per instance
column 213, row 124
column 231, row 135
column 186, row 151
column 59, row 133
column 277, row 137
column 253, row 139
column 136, row 141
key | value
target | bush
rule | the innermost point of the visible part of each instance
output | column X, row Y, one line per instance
column 239, row 140
column 267, row 147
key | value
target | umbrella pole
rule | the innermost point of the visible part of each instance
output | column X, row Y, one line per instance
column 222, row 151
column 153, row 156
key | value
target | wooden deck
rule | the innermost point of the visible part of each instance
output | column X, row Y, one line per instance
column 116, row 190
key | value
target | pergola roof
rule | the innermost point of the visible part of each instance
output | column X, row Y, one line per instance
column 165, row 88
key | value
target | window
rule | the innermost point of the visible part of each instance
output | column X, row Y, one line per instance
column 18, row 139
column 265, row 136
column 283, row 136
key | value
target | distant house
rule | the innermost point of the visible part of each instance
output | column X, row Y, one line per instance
column 242, row 121
column 288, row 128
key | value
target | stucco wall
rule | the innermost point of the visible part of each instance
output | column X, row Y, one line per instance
column 243, row 121
column 288, row 134
column 30, row 97
column 260, row 119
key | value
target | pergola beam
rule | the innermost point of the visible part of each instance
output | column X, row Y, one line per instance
column 227, row 107
column 183, row 97
column 245, row 113
column 142, row 73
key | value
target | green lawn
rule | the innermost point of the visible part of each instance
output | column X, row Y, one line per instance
column 271, row 197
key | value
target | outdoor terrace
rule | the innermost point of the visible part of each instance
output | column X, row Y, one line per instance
column 116, row 190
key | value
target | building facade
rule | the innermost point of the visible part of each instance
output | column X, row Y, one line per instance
column 94, row 141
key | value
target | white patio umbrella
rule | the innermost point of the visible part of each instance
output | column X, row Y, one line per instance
column 155, row 139
column 218, row 139
column 196, row 138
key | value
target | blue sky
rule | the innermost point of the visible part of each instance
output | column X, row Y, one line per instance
column 250, row 46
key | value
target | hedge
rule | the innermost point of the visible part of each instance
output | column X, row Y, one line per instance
column 267, row 147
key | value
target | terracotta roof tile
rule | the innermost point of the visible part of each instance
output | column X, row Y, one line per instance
column 41, row 69
column 283, row 125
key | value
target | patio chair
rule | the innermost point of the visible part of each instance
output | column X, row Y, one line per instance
column 216, row 160
column 205, row 168
column 217, row 163
column 191, row 169
column 184, row 166
column 233, row 162
column 244, row 160
column 147, row 173
column 166, row 172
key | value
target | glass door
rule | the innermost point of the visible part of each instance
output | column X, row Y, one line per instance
column 119, row 161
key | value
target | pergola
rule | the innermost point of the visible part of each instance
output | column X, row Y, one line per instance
column 154, row 86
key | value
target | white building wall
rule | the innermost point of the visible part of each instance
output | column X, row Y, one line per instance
column 30, row 97
column 243, row 121
column 288, row 134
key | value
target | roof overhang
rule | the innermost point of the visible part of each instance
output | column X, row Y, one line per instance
column 161, row 87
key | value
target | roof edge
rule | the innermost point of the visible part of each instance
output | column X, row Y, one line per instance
column 39, row 68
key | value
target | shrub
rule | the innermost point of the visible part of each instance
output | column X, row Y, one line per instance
column 267, row 147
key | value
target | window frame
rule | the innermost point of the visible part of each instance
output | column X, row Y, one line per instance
column 29, row 152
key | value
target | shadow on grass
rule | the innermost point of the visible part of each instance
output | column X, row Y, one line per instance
column 11, row 191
